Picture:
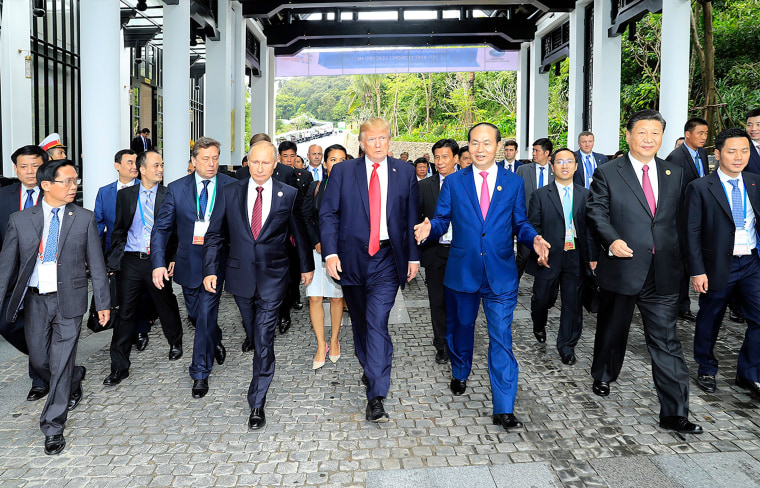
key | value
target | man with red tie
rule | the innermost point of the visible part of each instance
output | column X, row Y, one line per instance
column 366, row 224
column 485, row 204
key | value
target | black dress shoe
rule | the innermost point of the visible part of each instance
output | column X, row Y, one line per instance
column 735, row 316
column 441, row 356
column 601, row 388
column 115, row 377
column 257, row 419
column 680, row 424
column 687, row 316
column 142, row 341
column 706, row 382
column 220, row 353
column 568, row 359
column 752, row 386
column 247, row 345
column 375, row 411
column 37, row 393
column 284, row 325
column 200, row 388
column 457, row 386
column 540, row 336
column 297, row 305
column 506, row 420
column 76, row 395
column 54, row 444
column 175, row 351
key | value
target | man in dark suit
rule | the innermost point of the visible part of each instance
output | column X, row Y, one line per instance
column 588, row 160
column 692, row 159
column 535, row 175
column 510, row 162
column 255, row 218
column 558, row 212
column 486, row 207
column 136, row 208
column 186, row 210
column 723, row 214
column 369, row 249
column 51, row 246
column 142, row 143
column 753, row 129
column 435, row 254
column 633, row 209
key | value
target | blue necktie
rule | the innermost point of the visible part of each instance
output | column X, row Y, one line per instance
column 567, row 209
column 541, row 178
column 316, row 174
column 737, row 206
column 51, row 245
column 589, row 171
column 204, row 200
column 29, row 200
column 698, row 162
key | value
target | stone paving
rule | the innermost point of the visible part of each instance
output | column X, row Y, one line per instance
column 148, row 431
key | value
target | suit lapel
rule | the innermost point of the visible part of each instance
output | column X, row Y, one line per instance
column 625, row 168
column 242, row 191
column 393, row 183
column 664, row 180
column 717, row 190
column 468, row 181
column 436, row 188
column 532, row 176
column 277, row 203
column 160, row 192
column 362, row 185
column 68, row 222
column 501, row 183
column 556, row 199
column 16, row 197
column 576, row 201
column 191, row 192
column 752, row 196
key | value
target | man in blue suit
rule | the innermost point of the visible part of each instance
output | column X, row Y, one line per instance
column 485, row 205
column 366, row 223
column 753, row 129
column 105, row 201
column 510, row 162
column 187, row 208
column 254, row 219
column 588, row 160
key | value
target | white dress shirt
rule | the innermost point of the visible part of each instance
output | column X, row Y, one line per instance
column 638, row 169
column 491, row 179
column 266, row 199
column 23, row 196
column 121, row 186
column 47, row 214
column 538, row 174
column 382, row 174
column 210, row 191
column 750, row 223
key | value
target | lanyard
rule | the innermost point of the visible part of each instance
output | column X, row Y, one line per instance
column 198, row 203
column 745, row 201
column 139, row 204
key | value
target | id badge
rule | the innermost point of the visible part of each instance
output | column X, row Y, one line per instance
column 47, row 274
column 146, row 239
column 446, row 238
column 199, row 232
column 569, row 240
column 741, row 243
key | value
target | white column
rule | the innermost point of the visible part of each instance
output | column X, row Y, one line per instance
column 238, row 83
column 17, row 88
column 176, row 71
column 99, row 60
column 605, row 110
column 538, row 118
column 577, row 63
column 271, row 91
column 523, row 91
column 125, row 93
column 260, row 88
column 218, row 101
column 674, row 70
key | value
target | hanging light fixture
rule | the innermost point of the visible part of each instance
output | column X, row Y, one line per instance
column 142, row 5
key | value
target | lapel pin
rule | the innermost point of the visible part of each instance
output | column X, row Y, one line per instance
column 667, row 172
column 394, row 170
column 498, row 188
column 71, row 213
column 279, row 193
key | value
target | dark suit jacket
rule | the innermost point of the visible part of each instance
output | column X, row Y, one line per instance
column 754, row 160
column 580, row 174
column 618, row 209
column 528, row 174
column 78, row 250
column 680, row 156
column 282, row 172
column 126, row 205
column 344, row 218
column 311, row 203
column 260, row 265
column 546, row 215
column 503, row 163
column 10, row 203
column 137, row 144
column 710, row 227
column 429, row 190
column 177, row 216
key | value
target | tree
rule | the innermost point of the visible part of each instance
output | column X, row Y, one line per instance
column 705, row 51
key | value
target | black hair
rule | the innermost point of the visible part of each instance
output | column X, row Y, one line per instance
column 511, row 142
column 546, row 144
column 645, row 115
column 720, row 139
column 450, row 143
column 48, row 169
column 142, row 157
column 421, row 161
column 30, row 150
column 755, row 112
column 334, row 147
column 120, row 154
column 498, row 132
column 554, row 154
column 464, row 149
column 145, row 130
column 287, row 146
column 694, row 122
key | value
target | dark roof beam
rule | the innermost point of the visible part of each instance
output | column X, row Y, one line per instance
column 494, row 41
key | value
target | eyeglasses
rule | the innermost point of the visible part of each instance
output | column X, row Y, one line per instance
column 564, row 161
column 69, row 182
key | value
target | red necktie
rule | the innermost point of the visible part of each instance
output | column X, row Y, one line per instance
column 256, row 214
column 646, row 185
column 374, row 211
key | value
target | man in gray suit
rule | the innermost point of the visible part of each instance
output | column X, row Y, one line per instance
column 51, row 245
column 536, row 175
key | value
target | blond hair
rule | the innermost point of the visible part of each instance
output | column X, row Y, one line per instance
column 374, row 124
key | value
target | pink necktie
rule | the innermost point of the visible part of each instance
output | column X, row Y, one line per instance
column 485, row 198
column 256, row 214
column 646, row 185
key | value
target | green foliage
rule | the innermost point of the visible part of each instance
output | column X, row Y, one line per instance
column 559, row 93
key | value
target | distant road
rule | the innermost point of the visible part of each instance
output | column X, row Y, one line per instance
column 303, row 147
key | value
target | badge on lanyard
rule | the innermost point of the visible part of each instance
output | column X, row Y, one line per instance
column 47, row 274
column 570, row 239
column 448, row 236
column 199, row 232
column 741, row 243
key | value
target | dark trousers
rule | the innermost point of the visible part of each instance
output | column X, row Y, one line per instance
column 434, row 275
column 203, row 309
column 684, row 303
column 659, row 314
column 545, row 293
column 52, row 341
column 293, row 293
column 744, row 279
column 14, row 334
column 521, row 259
column 260, row 319
column 461, row 312
column 136, row 276
column 369, row 306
